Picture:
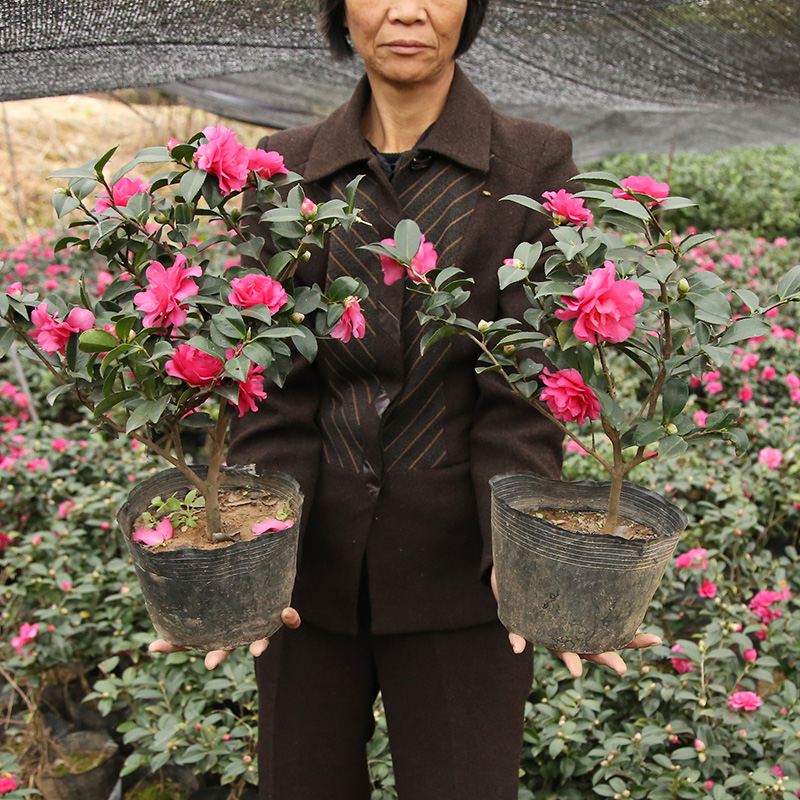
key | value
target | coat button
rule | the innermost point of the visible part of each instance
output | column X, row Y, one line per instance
column 421, row 161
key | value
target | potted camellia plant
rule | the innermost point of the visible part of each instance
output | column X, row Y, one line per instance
column 181, row 333
column 577, row 563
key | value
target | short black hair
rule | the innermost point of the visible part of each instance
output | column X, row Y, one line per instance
column 331, row 13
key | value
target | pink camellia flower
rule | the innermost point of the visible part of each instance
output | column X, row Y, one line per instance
column 15, row 289
column 351, row 323
column 707, row 589
column 424, row 261
column 792, row 381
column 224, row 157
column 266, row 163
column 781, row 241
column 777, row 770
column 52, row 335
column 250, row 390
column 681, row 665
column 172, row 143
column 699, row 745
column 770, row 456
column 565, row 207
column 272, row 524
column 761, row 602
column 9, row 782
column 121, row 193
column 574, row 447
column 59, row 444
column 568, row 397
column 768, row 373
column 194, row 366
column 746, row 393
column 66, row 586
column 642, row 185
column 696, row 557
column 5, row 540
column 746, row 701
column 749, row 361
column 751, row 654
column 603, row 308
column 708, row 785
column 27, row 633
column 700, row 418
column 154, row 536
column 308, row 208
column 256, row 289
column 64, row 508
column 167, row 288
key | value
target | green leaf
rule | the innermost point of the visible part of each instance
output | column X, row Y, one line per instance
column 527, row 202
column 107, row 403
column 509, row 273
column 54, row 394
column 747, row 328
column 307, row 300
column 342, row 288
column 85, row 171
column 191, row 184
column 237, row 368
column 64, row 204
column 148, row 411
column 671, row 203
column 724, row 418
column 96, row 340
column 430, row 337
column 282, row 215
column 306, row 343
column 630, row 208
column 601, row 178
column 710, row 306
column 258, row 353
column 695, row 240
column 748, row 298
column 251, row 248
column 789, row 284
column 647, row 432
column 407, row 240
column 672, row 446
column 674, row 397
column 7, row 338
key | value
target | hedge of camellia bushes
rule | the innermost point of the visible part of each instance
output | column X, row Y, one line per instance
column 711, row 713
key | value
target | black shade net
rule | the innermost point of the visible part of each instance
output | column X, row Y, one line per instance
column 628, row 75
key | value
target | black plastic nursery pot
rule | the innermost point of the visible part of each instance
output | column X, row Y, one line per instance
column 570, row 591
column 218, row 598
column 93, row 784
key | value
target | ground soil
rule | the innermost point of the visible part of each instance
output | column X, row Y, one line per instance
column 593, row 522
column 240, row 513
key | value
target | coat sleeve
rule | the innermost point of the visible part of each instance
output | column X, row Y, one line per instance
column 282, row 434
column 508, row 434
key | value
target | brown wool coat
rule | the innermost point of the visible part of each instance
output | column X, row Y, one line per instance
column 393, row 451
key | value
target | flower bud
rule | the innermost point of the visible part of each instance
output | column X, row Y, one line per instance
column 484, row 326
column 683, row 287
column 236, row 213
column 161, row 219
column 509, row 349
column 306, row 256
column 671, row 429
column 308, row 208
column 60, row 190
column 309, row 228
column 297, row 317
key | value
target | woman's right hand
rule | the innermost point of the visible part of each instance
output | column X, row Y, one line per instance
column 289, row 617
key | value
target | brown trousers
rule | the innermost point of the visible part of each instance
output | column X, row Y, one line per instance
column 454, row 705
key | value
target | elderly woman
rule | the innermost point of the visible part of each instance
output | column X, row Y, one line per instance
column 394, row 450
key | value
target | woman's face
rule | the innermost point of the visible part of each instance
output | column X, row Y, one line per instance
column 405, row 41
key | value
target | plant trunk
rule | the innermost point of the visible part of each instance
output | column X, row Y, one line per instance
column 211, row 495
column 612, row 517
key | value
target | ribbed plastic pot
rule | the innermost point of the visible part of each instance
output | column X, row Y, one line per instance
column 218, row 598
column 586, row 593
column 94, row 784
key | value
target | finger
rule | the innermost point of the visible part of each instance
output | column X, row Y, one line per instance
column 518, row 643
column 163, row 646
column 612, row 659
column 259, row 646
column 290, row 617
column 643, row 640
column 572, row 661
column 215, row 657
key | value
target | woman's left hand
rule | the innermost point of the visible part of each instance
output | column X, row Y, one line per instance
column 572, row 661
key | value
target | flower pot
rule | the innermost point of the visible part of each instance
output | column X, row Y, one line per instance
column 218, row 598
column 75, row 749
column 581, row 592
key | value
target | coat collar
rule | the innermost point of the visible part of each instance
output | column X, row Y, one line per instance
column 462, row 133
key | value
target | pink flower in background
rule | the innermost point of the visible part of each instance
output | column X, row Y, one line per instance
column 66, row 586
column 768, row 373
column 424, row 261
column 266, row 163
column 250, row 390
column 27, row 633
column 603, row 308
column 121, row 193
column 750, row 655
column 351, row 323
column 696, row 557
column 168, row 288
column 681, row 665
column 15, row 289
column 5, row 540
column 792, row 381
column 36, row 464
column 194, row 366
column 777, row 770
column 565, row 207
column 51, row 335
column 746, row 393
column 574, row 447
column 642, row 185
column 745, row 701
column 708, row 785
column 761, row 602
column 154, row 536
column 707, row 589
column 568, row 397
column 272, row 524
column 749, row 361
column 781, row 241
column 700, row 418
column 770, row 456
column 224, row 157
column 256, row 289
column 9, row 782
column 735, row 260
column 64, row 508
